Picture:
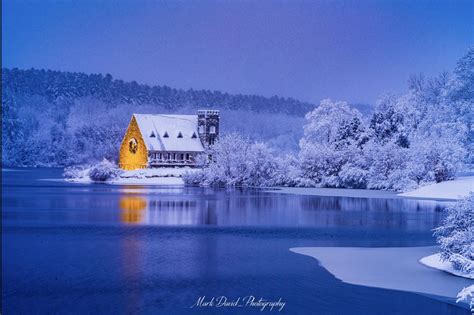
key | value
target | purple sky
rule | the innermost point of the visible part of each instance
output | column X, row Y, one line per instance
column 346, row 50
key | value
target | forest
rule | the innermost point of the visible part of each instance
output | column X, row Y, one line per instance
column 55, row 119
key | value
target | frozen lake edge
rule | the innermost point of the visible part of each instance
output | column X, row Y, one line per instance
column 375, row 267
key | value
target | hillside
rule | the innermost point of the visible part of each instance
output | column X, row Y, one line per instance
column 65, row 87
column 53, row 118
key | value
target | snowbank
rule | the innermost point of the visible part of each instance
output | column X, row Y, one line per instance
column 453, row 189
column 434, row 261
column 449, row 190
column 335, row 192
column 388, row 268
column 155, row 176
column 172, row 181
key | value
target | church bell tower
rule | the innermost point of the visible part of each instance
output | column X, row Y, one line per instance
column 208, row 126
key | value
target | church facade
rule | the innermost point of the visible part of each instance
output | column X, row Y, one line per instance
column 167, row 140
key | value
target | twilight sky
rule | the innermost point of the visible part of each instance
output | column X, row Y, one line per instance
column 346, row 50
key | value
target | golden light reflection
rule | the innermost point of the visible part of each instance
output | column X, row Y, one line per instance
column 133, row 209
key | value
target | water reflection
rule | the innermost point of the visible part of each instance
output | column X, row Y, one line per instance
column 133, row 208
column 256, row 208
column 64, row 204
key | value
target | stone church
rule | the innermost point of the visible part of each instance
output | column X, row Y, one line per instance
column 167, row 140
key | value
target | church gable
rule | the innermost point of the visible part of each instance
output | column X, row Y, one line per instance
column 133, row 150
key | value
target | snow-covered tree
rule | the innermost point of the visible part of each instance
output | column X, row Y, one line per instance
column 333, row 135
column 323, row 122
column 235, row 161
column 287, row 171
column 388, row 166
column 456, row 235
column 460, row 94
column 12, row 130
column 467, row 294
column 423, row 136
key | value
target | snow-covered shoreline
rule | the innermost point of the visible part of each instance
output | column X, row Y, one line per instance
column 449, row 190
column 388, row 268
column 334, row 192
column 434, row 261
column 156, row 176
column 106, row 172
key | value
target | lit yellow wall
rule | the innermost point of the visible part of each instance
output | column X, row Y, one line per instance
column 127, row 159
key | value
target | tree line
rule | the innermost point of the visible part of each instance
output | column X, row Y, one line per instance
column 425, row 135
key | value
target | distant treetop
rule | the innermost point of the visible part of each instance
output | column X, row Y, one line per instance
column 67, row 86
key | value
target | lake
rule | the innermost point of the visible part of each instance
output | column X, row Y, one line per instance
column 80, row 249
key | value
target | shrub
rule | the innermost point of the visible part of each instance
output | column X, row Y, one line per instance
column 75, row 172
column 353, row 177
column 104, row 171
column 194, row 178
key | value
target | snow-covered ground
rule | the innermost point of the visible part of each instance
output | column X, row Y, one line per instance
column 453, row 189
column 434, row 261
column 389, row 268
column 166, row 181
column 449, row 190
column 335, row 192
column 155, row 176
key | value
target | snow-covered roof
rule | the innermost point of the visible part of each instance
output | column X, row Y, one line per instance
column 170, row 132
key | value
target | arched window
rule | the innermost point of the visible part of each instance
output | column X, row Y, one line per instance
column 180, row 135
column 194, row 135
column 152, row 134
column 166, row 135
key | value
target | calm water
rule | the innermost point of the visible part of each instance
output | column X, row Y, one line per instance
column 82, row 249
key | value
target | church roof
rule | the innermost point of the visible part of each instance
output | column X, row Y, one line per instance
column 170, row 132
